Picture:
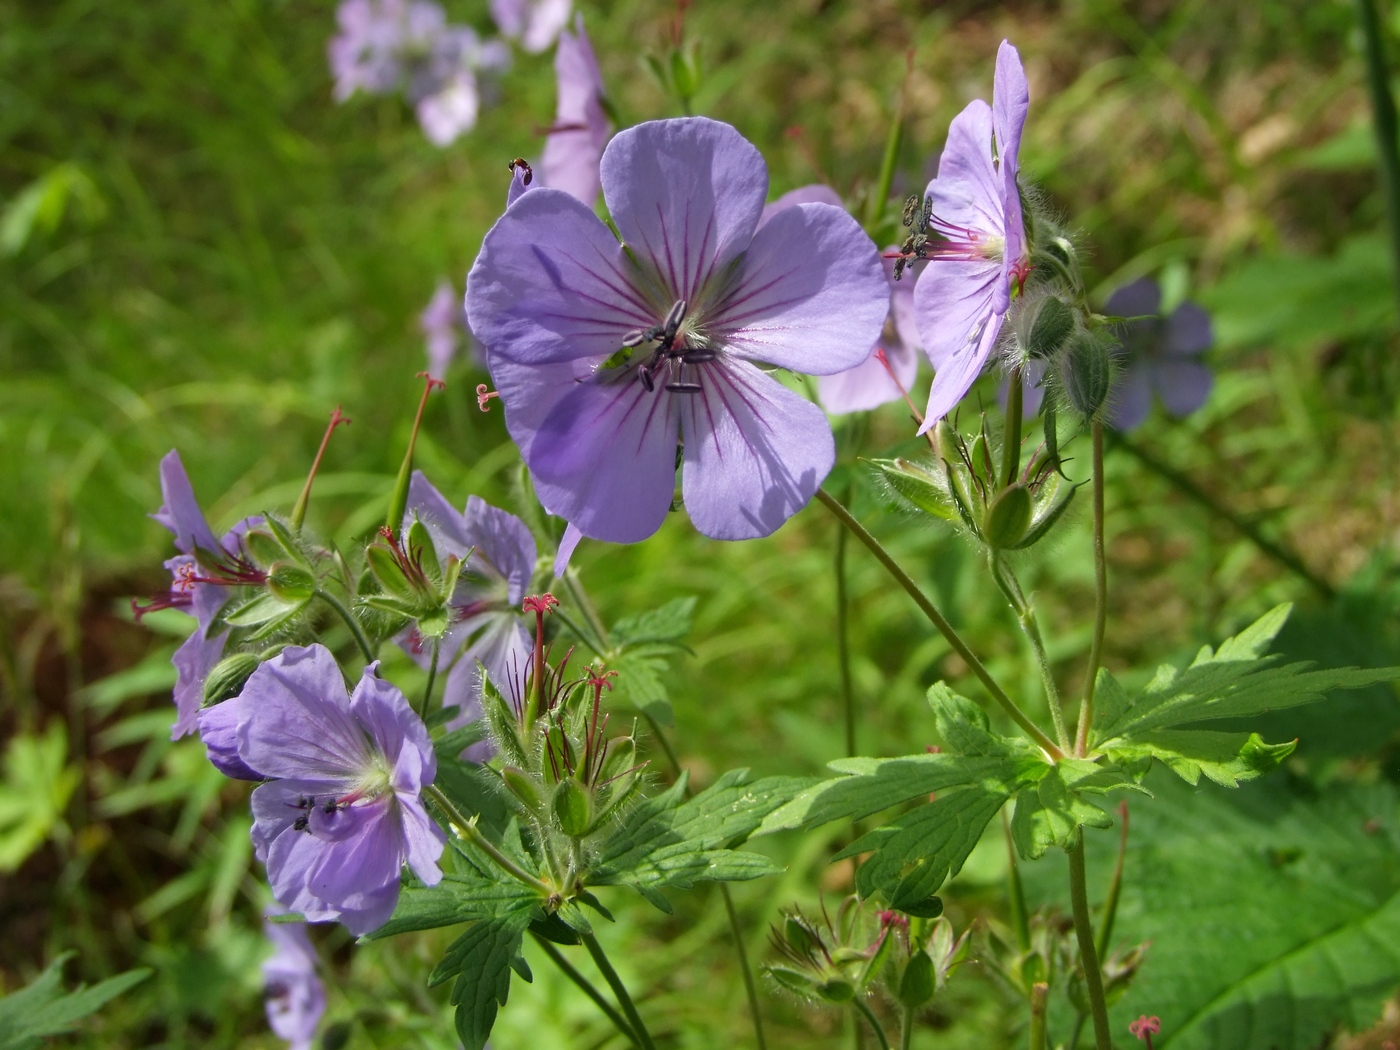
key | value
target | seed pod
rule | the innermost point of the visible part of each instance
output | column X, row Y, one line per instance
column 572, row 806
column 1007, row 518
column 228, row 677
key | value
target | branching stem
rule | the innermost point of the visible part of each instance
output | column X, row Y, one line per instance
column 1088, row 953
column 345, row 614
column 467, row 831
column 1086, row 709
column 619, row 989
column 586, row 986
column 1030, row 627
column 860, row 1004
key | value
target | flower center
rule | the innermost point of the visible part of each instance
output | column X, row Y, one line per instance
column 678, row 346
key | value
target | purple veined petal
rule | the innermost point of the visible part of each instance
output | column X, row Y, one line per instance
column 574, row 150
column 565, row 554
column 602, row 454
column 193, row 661
column 1131, row 398
column 446, row 525
column 365, row 859
column 816, row 193
column 218, row 729
column 180, row 511
column 384, row 713
column 958, row 327
column 289, row 853
column 902, row 301
column 755, row 452
column 423, row 840
column 810, row 294
column 685, row 195
column 869, row 384
column 504, row 542
column 1188, row 330
column 552, row 283
column 1140, row 298
column 1011, row 101
column 295, row 999
column 1183, row 386
column 968, row 194
column 299, row 723
column 502, row 646
column 451, row 111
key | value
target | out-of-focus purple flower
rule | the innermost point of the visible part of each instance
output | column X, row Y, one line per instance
column 449, row 95
column 364, row 55
column 962, row 298
column 606, row 356
column 442, row 321
column 342, row 814
column 870, row 384
column 293, row 994
column 199, row 587
column 535, row 23
column 574, row 147
column 1158, row 355
column 487, row 626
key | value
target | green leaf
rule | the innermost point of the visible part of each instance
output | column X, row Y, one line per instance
column 479, row 964
column 1226, row 758
column 39, row 1009
column 669, row 841
column 460, row 897
column 34, row 794
column 452, row 743
column 670, row 623
column 639, row 684
column 1235, row 680
column 965, row 727
column 1051, row 812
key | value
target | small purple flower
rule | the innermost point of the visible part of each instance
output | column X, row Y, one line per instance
column 574, row 148
column 342, row 813
column 1159, row 354
column 487, row 625
column 535, row 23
column 200, row 589
column 962, row 298
column 293, row 995
column 870, row 384
column 448, row 89
column 442, row 322
column 364, row 55
column 608, row 355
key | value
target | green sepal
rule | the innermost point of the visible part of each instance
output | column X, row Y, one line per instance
column 1048, row 512
column 572, row 806
column 385, row 566
column 291, row 582
column 916, row 985
column 288, row 542
column 505, row 728
column 228, row 677
column 1007, row 517
column 419, row 545
column 916, row 485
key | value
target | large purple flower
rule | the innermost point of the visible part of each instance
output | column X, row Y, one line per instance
column 1159, row 354
column 198, row 587
column 870, row 384
column 293, row 994
column 574, row 148
column 343, row 813
column 487, row 625
column 607, row 355
column 962, row 298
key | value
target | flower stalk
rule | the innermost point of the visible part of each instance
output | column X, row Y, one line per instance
column 1086, row 709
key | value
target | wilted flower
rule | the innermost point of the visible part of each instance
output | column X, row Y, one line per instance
column 486, row 627
column 962, row 299
column 293, row 995
column 342, row 814
column 874, row 381
column 442, row 322
column 574, row 148
column 606, row 356
column 1159, row 354
column 535, row 23
column 203, row 575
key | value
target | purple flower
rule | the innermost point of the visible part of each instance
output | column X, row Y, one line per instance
column 293, row 995
column 448, row 92
column 342, row 815
column 364, row 56
column 962, row 298
column 442, row 322
column 535, row 23
column 198, row 587
column 1158, row 355
column 870, row 383
column 487, row 627
column 607, row 355
column 574, row 148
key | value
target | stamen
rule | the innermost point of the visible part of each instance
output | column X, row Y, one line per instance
column 685, row 388
column 299, row 510
column 484, row 394
column 637, row 337
column 698, row 357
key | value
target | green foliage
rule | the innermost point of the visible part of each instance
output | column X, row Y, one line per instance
column 643, row 647
column 479, row 964
column 34, row 794
column 41, row 1009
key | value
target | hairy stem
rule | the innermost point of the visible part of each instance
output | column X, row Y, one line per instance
column 1030, row 627
column 1091, row 676
column 1088, row 953
column 586, row 986
column 843, row 643
column 1039, row 991
column 1011, row 436
column 1020, row 915
column 355, row 629
column 859, row 1003
column 467, row 831
column 432, row 678
column 906, row 1029
column 944, row 627
column 620, row 990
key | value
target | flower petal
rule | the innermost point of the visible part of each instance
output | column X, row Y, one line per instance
column 565, row 553
column 1011, row 101
column 810, row 294
column 299, row 722
column 1131, row 399
column 603, row 454
column 1188, row 330
column 504, row 542
column 816, row 193
column 445, row 524
column 218, row 729
column 869, row 385
column 572, row 154
column 423, row 840
column 968, row 193
column 953, row 306
column 755, row 452
column 180, row 511
column 1140, row 298
column 384, row 713
column 193, row 661
column 365, row 855
column 686, row 195
column 1183, row 386
column 552, row 284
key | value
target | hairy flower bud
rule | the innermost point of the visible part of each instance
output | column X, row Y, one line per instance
column 573, row 807
column 1045, row 326
column 1007, row 518
column 228, row 676
column 291, row 583
column 1086, row 372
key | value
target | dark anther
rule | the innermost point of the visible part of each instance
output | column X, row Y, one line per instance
column 637, row 337
column 674, row 318
column 647, row 381
column 684, row 388
column 300, row 824
column 330, row 807
column 698, row 357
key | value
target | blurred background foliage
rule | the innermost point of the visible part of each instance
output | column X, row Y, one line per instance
column 199, row 249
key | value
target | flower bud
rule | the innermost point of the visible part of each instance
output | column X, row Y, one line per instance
column 228, row 676
column 572, row 806
column 1007, row 518
column 420, row 547
column 523, row 787
column 291, row 583
column 263, row 546
column 1045, row 326
column 1086, row 371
